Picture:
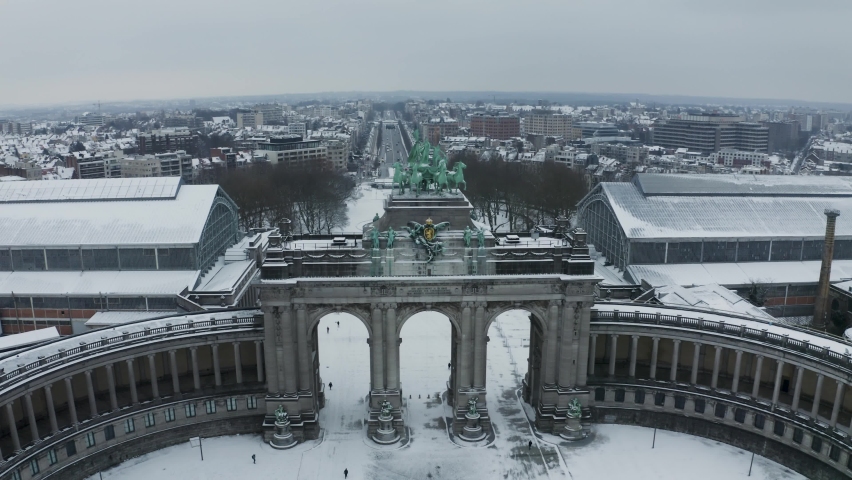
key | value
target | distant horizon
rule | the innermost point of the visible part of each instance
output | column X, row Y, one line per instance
column 464, row 96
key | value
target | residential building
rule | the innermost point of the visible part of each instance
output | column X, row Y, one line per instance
column 249, row 119
column 738, row 159
column 783, row 136
column 500, row 127
column 293, row 151
column 337, row 153
column 548, row 123
column 297, row 128
column 834, row 151
column 271, row 113
column 636, row 154
column 91, row 120
column 174, row 164
column 167, row 140
column 596, row 129
column 438, row 128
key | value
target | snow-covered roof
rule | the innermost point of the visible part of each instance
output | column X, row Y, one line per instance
column 94, row 283
column 113, row 317
column 735, row 274
column 174, row 221
column 712, row 296
column 729, row 206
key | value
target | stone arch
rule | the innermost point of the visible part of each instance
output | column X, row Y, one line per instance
column 536, row 311
column 317, row 313
column 451, row 311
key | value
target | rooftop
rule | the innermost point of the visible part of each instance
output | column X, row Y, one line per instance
column 143, row 211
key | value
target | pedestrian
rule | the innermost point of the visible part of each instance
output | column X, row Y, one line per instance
column 253, row 459
column 327, row 329
column 338, row 324
column 449, row 365
column 345, row 472
column 529, row 446
column 330, row 385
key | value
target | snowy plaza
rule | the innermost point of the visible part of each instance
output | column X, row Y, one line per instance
column 615, row 451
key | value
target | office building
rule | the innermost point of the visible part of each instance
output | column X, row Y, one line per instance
column 501, row 127
column 548, row 124
column 711, row 133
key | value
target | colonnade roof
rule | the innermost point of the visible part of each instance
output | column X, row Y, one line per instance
column 726, row 207
column 626, row 310
column 31, row 355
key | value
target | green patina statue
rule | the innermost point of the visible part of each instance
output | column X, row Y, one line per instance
column 480, row 237
column 281, row 414
column 376, row 218
column 391, row 234
column 575, row 409
column 374, row 237
column 467, row 234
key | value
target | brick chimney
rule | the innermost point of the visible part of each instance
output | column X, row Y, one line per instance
column 821, row 310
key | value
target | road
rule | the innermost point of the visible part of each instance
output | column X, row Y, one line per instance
column 392, row 148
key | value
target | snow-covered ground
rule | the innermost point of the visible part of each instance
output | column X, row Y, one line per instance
column 616, row 452
column 361, row 210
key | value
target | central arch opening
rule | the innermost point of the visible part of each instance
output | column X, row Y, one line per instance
column 341, row 372
column 514, row 368
column 425, row 361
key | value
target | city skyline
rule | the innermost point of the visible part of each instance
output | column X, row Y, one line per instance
column 89, row 52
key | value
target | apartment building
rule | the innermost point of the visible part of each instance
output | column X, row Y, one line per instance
column 174, row 164
column 249, row 119
column 548, row 124
column 739, row 159
column 501, row 127
column 167, row 140
column 293, row 151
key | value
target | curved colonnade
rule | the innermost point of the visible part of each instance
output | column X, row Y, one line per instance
column 77, row 405
column 80, row 404
column 778, row 391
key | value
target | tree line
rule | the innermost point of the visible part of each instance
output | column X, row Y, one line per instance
column 313, row 199
column 518, row 196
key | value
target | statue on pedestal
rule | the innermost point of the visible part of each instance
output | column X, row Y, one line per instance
column 376, row 218
column 374, row 238
column 575, row 409
column 471, row 406
column 386, row 408
column 467, row 234
column 391, row 234
column 281, row 415
column 480, row 237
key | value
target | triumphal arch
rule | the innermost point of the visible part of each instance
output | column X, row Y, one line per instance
column 427, row 253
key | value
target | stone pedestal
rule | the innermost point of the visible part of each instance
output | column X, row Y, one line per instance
column 283, row 438
column 386, row 434
column 573, row 429
column 472, row 432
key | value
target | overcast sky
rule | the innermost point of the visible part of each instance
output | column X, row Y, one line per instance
column 57, row 51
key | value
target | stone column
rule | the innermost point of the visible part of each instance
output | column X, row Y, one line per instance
column 696, row 357
column 568, row 346
column 238, row 364
column 613, row 351
column 465, row 354
column 131, row 374
column 51, row 411
column 593, row 344
column 755, row 389
column 175, row 378
column 392, row 348
column 717, row 360
column 779, row 372
column 258, row 352
column 838, row 401
column 288, row 351
column 654, row 350
column 72, row 408
column 271, row 348
column 634, row 346
column 152, row 367
column 113, row 399
column 737, row 365
column 479, row 347
column 13, row 427
column 797, row 391
column 303, row 349
column 817, row 396
column 28, row 404
column 196, row 375
column 377, row 349
column 90, row 388
column 675, row 360
column 217, row 372
column 550, row 353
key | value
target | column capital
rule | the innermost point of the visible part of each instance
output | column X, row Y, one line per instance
column 468, row 304
column 48, row 387
column 799, row 368
column 759, row 356
column 88, row 373
column 193, row 348
column 236, row 344
column 256, row 342
column 635, row 337
column 299, row 306
column 718, row 347
column 172, row 351
column 656, row 339
column 613, row 335
column 697, row 344
column 129, row 360
column 554, row 303
column 593, row 335
column 108, row 366
column 481, row 304
column 676, row 341
column 151, row 356
column 29, row 395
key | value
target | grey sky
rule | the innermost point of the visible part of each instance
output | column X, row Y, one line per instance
column 78, row 50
